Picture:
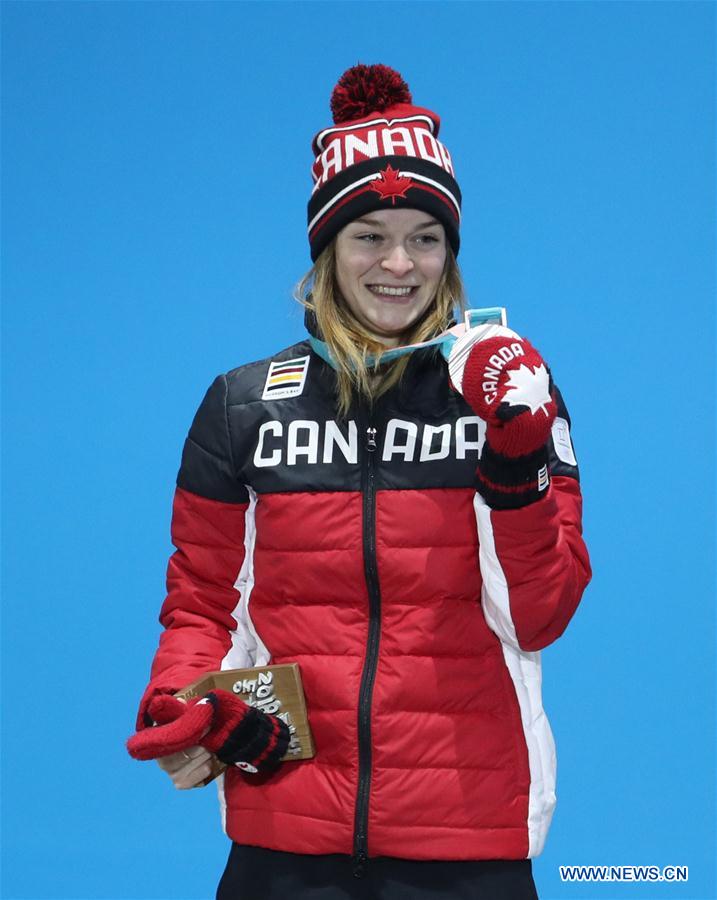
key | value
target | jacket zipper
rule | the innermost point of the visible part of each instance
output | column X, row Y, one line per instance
column 368, row 676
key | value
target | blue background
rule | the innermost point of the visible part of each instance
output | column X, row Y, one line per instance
column 156, row 170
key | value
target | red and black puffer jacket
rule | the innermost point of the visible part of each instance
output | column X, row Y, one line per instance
column 359, row 548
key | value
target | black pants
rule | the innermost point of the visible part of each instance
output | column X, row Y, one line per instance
column 253, row 873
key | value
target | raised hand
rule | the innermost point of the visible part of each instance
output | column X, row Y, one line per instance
column 508, row 384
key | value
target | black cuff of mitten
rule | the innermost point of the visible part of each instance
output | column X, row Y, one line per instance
column 512, row 482
column 250, row 739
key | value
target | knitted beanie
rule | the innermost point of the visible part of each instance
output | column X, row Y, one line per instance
column 382, row 152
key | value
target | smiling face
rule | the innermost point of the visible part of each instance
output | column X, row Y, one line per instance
column 388, row 267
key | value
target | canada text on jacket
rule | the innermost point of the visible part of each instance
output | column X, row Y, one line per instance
column 317, row 442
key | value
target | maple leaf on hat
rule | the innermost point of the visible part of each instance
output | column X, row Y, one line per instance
column 391, row 184
column 526, row 387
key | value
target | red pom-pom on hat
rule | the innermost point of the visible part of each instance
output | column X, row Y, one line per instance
column 363, row 90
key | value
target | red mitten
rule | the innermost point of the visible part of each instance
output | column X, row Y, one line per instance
column 178, row 726
column 236, row 732
column 506, row 381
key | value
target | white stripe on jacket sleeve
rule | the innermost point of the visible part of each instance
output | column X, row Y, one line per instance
column 247, row 648
column 525, row 671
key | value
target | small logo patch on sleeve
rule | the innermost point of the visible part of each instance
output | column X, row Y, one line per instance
column 286, row 379
column 562, row 443
column 543, row 478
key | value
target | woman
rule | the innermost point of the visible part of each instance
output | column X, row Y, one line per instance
column 410, row 546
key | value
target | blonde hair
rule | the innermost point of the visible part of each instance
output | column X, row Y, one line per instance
column 350, row 344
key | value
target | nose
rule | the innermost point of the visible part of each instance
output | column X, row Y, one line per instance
column 397, row 261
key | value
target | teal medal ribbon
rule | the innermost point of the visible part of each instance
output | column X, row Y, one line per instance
column 473, row 318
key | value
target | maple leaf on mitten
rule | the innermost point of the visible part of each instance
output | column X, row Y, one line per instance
column 237, row 733
column 507, row 383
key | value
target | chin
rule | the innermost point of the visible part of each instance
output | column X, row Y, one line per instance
column 393, row 335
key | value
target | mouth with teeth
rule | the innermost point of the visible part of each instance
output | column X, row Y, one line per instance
column 401, row 292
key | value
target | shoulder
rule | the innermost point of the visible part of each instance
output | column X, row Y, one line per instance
column 279, row 373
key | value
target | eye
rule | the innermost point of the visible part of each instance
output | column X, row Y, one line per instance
column 370, row 238
column 426, row 240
